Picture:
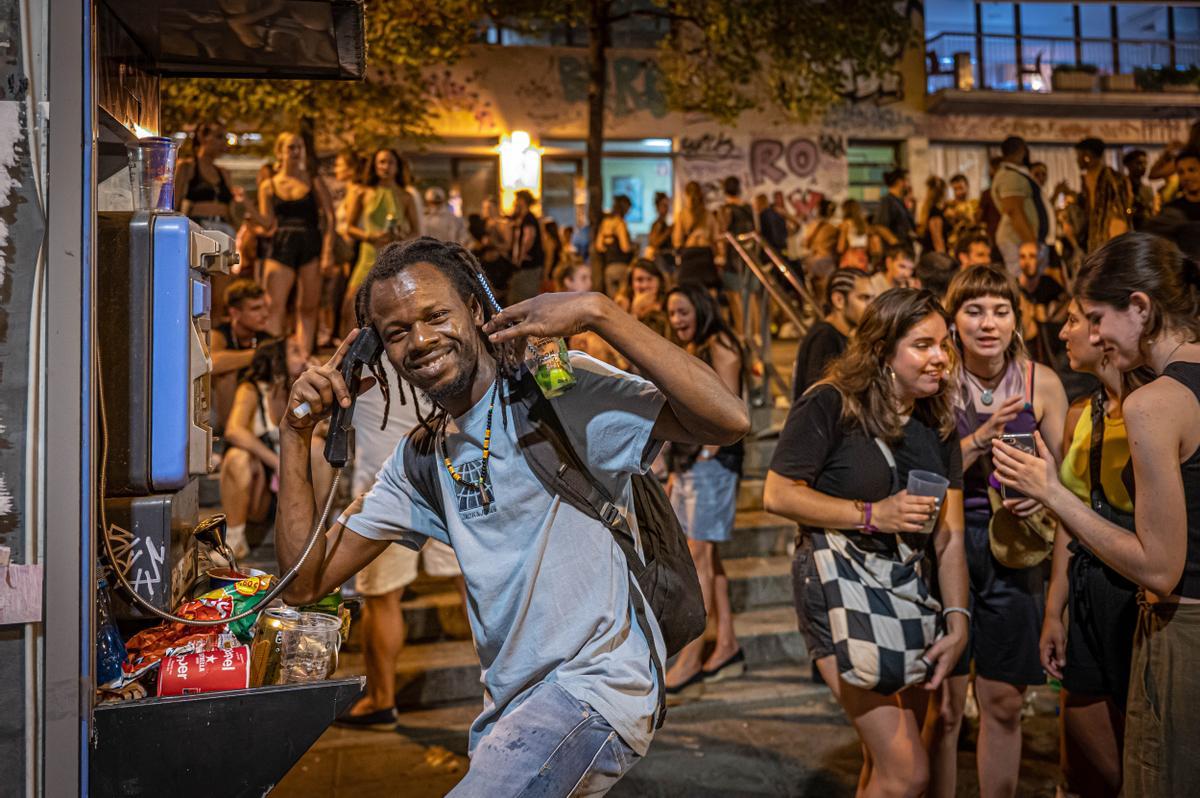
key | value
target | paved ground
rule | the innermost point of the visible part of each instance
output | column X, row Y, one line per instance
column 772, row 733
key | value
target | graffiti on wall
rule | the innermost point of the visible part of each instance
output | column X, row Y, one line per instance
column 633, row 85
column 954, row 127
column 800, row 170
column 772, row 162
column 880, row 90
column 461, row 93
column 708, row 147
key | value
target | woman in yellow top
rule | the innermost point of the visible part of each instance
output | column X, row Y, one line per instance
column 380, row 212
column 1092, row 656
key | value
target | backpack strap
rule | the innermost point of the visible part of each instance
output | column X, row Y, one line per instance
column 420, row 468
column 552, row 458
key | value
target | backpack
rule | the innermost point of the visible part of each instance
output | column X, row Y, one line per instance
column 665, row 573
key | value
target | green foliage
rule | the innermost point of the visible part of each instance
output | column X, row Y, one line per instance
column 730, row 56
column 1157, row 78
column 404, row 37
column 1067, row 69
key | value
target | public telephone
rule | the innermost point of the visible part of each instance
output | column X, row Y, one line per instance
column 365, row 351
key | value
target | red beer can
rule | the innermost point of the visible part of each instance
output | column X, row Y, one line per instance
column 209, row 671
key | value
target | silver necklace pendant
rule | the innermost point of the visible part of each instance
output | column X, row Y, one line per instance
column 987, row 397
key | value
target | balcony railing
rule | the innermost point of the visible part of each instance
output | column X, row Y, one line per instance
column 1006, row 62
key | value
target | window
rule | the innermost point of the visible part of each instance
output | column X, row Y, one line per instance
column 997, row 17
column 1047, row 19
column 1187, row 23
column 1146, row 25
column 559, row 178
column 1095, row 20
column 868, row 164
column 1142, row 22
column 948, row 16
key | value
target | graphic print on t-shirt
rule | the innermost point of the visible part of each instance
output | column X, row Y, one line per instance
column 470, row 500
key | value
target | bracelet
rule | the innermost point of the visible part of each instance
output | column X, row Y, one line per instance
column 952, row 610
column 975, row 442
column 866, row 525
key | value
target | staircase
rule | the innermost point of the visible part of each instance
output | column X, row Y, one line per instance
column 438, row 665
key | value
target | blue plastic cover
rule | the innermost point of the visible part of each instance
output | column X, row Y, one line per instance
column 170, row 379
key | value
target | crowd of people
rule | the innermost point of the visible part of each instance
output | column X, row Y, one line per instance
column 1041, row 563
column 1013, row 346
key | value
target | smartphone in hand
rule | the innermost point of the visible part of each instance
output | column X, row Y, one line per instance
column 1026, row 443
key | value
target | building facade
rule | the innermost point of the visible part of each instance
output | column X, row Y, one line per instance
column 980, row 72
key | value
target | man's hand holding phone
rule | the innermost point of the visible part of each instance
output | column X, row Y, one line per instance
column 316, row 391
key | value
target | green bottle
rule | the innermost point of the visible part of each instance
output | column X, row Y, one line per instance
column 551, row 366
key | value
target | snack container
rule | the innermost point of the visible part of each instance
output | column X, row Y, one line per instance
column 208, row 671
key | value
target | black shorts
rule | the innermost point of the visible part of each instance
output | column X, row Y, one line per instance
column 296, row 247
column 812, row 612
column 1007, row 606
column 1102, row 612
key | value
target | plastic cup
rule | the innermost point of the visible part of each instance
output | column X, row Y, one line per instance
column 927, row 483
column 309, row 648
column 152, row 173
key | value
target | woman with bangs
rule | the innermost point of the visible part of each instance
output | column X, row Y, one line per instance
column 848, row 445
column 1000, row 390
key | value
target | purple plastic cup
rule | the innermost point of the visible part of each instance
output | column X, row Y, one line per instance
column 152, row 173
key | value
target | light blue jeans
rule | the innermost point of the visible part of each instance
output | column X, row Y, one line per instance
column 552, row 746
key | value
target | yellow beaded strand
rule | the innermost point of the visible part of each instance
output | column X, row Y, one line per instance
column 487, row 450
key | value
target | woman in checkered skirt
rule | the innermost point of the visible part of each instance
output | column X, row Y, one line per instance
column 831, row 473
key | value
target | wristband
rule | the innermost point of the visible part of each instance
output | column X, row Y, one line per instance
column 952, row 610
column 866, row 525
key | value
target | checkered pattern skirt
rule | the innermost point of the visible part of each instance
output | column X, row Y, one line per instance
column 881, row 615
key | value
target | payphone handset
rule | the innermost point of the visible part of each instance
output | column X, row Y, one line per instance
column 365, row 351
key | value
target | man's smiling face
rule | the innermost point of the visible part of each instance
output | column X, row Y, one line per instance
column 430, row 334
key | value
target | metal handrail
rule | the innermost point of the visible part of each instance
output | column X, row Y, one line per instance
column 781, row 267
column 756, row 268
column 767, row 287
column 1048, row 38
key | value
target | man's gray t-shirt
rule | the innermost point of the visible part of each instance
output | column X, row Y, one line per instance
column 1011, row 181
column 548, row 586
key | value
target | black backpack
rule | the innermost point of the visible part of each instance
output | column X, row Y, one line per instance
column 667, row 577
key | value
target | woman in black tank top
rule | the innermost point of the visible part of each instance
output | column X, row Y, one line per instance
column 1142, row 299
column 301, row 225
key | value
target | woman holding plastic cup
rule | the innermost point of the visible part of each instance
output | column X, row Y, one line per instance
column 848, row 446
column 999, row 391
column 1141, row 298
column 297, row 210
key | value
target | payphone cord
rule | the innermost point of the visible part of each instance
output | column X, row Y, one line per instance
column 106, row 535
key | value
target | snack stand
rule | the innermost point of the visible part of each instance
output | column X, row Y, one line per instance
column 121, row 431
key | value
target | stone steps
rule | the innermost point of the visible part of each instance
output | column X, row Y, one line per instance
column 444, row 671
column 750, row 494
column 755, row 560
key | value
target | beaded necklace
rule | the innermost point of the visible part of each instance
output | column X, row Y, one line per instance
column 481, row 485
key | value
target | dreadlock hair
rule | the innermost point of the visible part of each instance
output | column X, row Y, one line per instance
column 463, row 271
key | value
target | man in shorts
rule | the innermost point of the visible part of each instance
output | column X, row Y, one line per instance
column 382, row 582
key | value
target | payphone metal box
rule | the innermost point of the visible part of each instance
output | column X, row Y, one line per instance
column 154, row 298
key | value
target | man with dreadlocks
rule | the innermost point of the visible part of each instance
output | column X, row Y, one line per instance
column 570, row 692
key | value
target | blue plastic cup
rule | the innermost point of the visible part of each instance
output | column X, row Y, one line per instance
column 152, row 173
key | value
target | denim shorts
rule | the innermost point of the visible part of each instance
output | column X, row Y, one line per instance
column 704, row 499
column 551, row 746
column 812, row 611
